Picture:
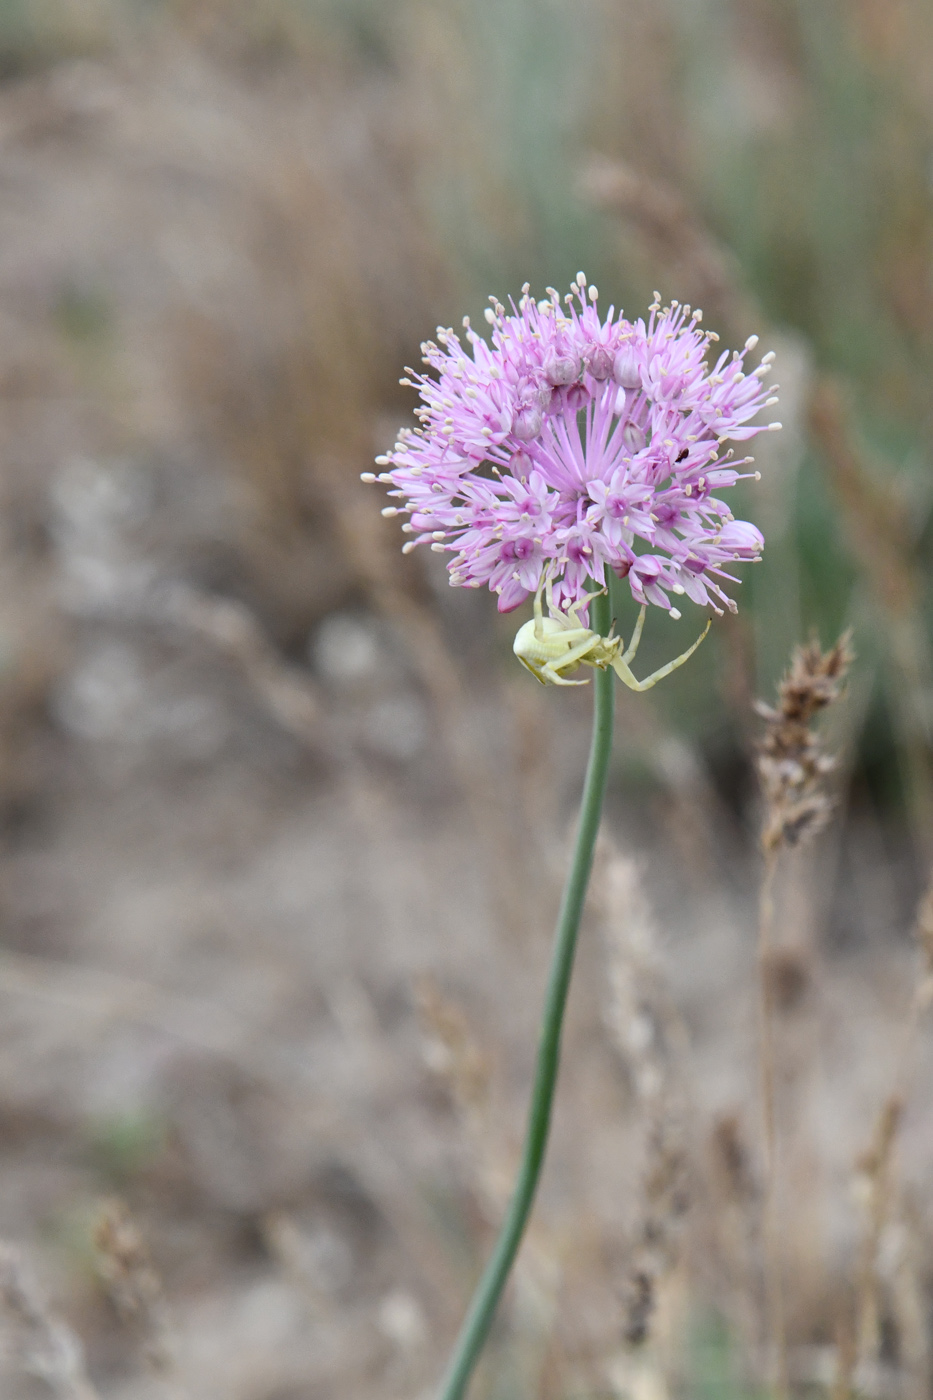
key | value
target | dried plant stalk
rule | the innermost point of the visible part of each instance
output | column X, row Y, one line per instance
column 132, row 1283
column 736, row 1221
column 645, row 1031
column 792, row 770
column 453, row 1051
column 876, row 1167
column 286, row 692
column 42, row 1343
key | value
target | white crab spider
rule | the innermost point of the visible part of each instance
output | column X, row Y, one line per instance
column 549, row 646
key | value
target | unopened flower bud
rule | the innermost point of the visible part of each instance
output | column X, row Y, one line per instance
column 576, row 396
column 633, row 437
column 533, row 393
column 560, row 369
column 625, row 370
column 527, row 423
column 599, row 362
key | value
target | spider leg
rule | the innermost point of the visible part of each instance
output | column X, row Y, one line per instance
column 571, row 658
column 636, row 637
column 533, row 670
column 539, row 619
column 555, row 678
column 574, row 610
column 588, row 641
column 575, row 636
column 620, row 666
column 553, row 610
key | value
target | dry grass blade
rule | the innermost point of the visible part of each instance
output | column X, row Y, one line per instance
column 645, row 1031
column 674, row 231
column 923, row 932
column 922, row 996
column 451, row 1052
column 876, row 1167
column 42, row 1344
column 287, row 693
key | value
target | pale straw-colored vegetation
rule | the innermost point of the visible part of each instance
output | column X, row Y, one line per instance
column 284, row 823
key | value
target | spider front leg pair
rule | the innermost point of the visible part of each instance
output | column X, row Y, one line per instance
column 551, row 646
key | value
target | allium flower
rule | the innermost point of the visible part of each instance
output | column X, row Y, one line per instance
column 573, row 443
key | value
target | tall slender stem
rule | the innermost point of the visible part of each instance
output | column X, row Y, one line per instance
column 482, row 1310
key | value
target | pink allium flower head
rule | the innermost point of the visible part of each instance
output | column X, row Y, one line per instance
column 574, row 443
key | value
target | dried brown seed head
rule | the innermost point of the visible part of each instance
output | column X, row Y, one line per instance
column 791, row 762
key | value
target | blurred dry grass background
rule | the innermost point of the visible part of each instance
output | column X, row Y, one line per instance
column 283, row 829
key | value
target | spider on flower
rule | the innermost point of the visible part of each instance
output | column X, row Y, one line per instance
column 550, row 646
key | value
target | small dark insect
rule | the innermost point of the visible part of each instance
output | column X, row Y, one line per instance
column 682, row 455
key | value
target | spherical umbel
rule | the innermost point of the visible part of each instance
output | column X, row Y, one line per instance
column 574, row 442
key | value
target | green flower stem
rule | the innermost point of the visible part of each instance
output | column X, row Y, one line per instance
column 482, row 1310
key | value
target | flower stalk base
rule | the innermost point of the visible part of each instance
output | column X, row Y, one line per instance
column 482, row 1310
